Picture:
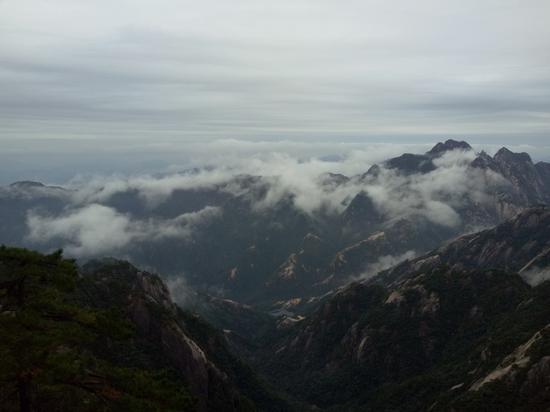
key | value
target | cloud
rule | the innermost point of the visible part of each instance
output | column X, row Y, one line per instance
column 385, row 262
column 272, row 69
column 437, row 195
column 96, row 229
column 180, row 292
column 58, row 161
column 91, row 224
column 153, row 190
column 536, row 276
column 289, row 169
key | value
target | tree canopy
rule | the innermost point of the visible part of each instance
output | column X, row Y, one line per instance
column 55, row 351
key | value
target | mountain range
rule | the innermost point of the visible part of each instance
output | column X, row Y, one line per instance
column 418, row 285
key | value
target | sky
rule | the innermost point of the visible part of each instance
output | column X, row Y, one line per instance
column 127, row 86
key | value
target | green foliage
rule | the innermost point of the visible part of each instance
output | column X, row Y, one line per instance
column 416, row 350
column 49, row 346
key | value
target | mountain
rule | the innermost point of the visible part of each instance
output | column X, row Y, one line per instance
column 517, row 245
column 409, row 163
column 528, row 182
column 301, row 270
column 58, row 354
column 456, row 329
column 243, row 237
column 448, row 146
column 511, row 183
column 463, row 327
column 122, row 342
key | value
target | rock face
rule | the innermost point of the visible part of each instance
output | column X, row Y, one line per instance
column 511, row 246
column 395, row 241
column 508, row 369
column 367, row 337
column 511, row 183
column 172, row 338
column 147, row 302
column 302, row 270
column 360, row 217
column 455, row 329
column 529, row 184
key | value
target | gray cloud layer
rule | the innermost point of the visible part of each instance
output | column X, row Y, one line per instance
column 89, row 227
column 433, row 194
column 249, row 68
column 96, row 229
column 59, row 160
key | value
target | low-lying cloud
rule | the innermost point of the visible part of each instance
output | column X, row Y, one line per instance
column 435, row 194
column 536, row 276
column 97, row 229
column 180, row 292
column 385, row 262
column 91, row 224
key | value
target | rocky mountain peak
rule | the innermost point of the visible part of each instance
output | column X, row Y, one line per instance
column 27, row 183
column 24, row 184
column 506, row 155
column 449, row 145
column 409, row 163
column 333, row 179
column 483, row 161
column 32, row 187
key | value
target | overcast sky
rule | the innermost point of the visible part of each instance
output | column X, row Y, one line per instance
column 178, row 71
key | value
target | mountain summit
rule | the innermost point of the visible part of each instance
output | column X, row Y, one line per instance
column 447, row 146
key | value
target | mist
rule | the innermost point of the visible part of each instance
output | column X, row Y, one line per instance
column 90, row 223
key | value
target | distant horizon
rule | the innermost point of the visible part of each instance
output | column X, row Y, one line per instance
column 60, row 161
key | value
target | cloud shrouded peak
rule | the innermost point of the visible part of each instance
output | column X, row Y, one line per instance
column 114, row 213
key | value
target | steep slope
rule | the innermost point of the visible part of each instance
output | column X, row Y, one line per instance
column 59, row 355
column 111, row 339
column 508, row 183
column 543, row 169
column 146, row 301
column 301, row 271
column 180, row 340
column 367, row 337
column 510, row 246
column 439, row 332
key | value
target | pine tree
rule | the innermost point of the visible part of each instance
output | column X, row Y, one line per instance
column 48, row 346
